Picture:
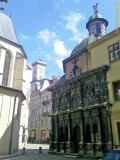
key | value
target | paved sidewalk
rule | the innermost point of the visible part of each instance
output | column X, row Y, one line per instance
column 30, row 149
column 32, row 153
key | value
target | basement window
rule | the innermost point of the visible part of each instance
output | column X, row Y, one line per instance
column 114, row 52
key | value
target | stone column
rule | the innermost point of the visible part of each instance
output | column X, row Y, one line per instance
column 90, row 147
column 64, row 133
column 52, row 135
column 99, row 130
column 81, row 144
column 98, row 148
column 107, row 145
column 57, row 133
column 70, row 144
column 110, row 144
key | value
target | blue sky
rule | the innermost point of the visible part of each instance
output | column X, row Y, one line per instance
column 52, row 28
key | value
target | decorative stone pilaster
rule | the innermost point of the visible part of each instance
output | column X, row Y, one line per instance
column 110, row 143
column 69, row 144
column 98, row 146
column 56, row 127
column 81, row 144
column 52, row 135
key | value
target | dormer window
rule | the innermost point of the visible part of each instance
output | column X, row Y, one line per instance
column 98, row 28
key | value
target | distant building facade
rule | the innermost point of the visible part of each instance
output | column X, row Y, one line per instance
column 14, row 88
column 40, row 104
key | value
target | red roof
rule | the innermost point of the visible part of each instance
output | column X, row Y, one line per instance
column 50, row 85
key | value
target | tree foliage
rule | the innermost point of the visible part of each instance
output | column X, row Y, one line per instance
column 1, row 8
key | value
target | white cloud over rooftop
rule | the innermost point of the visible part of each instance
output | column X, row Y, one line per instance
column 60, row 49
column 72, row 21
column 46, row 35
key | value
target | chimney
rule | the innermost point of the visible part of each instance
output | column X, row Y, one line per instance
column 55, row 79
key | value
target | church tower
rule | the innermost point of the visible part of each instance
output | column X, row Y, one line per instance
column 97, row 24
column 38, row 70
column 38, row 74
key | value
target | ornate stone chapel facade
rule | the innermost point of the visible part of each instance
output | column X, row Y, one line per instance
column 81, row 119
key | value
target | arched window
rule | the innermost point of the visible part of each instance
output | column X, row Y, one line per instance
column 98, row 28
column 6, row 69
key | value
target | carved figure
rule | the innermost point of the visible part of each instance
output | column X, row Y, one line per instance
column 95, row 8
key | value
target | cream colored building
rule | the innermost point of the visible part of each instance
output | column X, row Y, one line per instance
column 40, row 104
column 15, row 77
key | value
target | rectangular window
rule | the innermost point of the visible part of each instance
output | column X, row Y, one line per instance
column 114, row 52
column 117, row 91
column 43, row 134
column 36, row 123
column 31, row 124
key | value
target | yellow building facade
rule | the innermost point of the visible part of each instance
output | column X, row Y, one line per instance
column 106, row 51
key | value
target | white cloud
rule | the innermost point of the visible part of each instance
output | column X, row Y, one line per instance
column 79, row 36
column 24, row 37
column 47, row 56
column 73, row 19
column 60, row 49
column 46, row 35
column 59, row 63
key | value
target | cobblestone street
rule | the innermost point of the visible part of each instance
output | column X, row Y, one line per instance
column 32, row 153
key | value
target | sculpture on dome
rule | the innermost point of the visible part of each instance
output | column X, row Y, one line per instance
column 95, row 8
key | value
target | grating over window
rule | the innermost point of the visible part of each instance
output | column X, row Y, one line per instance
column 6, row 69
column 114, row 52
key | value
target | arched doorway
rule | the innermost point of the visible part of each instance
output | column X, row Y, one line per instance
column 76, row 138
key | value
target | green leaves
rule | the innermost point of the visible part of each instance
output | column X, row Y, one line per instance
column 4, row 1
column 1, row 8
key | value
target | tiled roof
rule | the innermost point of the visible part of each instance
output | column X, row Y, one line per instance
column 52, row 84
column 6, row 28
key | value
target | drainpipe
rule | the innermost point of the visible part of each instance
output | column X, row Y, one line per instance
column 10, row 146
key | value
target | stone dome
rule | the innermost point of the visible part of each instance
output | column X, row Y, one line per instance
column 94, row 16
column 82, row 45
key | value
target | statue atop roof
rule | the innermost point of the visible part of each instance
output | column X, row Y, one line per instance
column 95, row 8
